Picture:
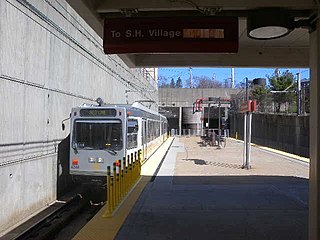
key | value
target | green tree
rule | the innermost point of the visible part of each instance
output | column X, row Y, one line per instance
column 261, row 94
column 283, row 88
column 179, row 83
column 172, row 83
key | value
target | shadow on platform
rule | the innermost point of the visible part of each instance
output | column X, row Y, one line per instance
column 216, row 164
column 220, row 207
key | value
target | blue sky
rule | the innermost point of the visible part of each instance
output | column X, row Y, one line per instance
column 223, row 73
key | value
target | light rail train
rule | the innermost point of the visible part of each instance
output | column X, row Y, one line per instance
column 102, row 134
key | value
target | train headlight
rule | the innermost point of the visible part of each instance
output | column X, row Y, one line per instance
column 75, row 162
column 91, row 160
column 100, row 160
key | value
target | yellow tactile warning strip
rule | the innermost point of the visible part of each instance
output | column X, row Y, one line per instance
column 290, row 155
column 107, row 228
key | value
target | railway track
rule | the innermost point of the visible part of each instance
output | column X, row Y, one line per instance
column 53, row 223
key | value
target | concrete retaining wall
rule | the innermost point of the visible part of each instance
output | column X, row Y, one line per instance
column 282, row 132
column 50, row 61
column 185, row 97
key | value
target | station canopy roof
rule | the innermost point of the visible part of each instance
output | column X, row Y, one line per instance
column 291, row 50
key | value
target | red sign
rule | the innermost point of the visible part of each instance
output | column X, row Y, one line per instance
column 171, row 35
column 253, row 105
column 245, row 107
column 248, row 106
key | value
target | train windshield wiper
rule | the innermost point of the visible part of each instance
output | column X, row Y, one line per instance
column 111, row 151
column 90, row 148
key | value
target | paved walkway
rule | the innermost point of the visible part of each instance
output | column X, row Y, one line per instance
column 202, row 193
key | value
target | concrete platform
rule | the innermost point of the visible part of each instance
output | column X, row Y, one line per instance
column 107, row 228
column 202, row 193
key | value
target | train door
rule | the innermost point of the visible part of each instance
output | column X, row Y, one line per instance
column 144, row 138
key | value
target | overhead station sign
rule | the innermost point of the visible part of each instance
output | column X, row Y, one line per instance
column 171, row 35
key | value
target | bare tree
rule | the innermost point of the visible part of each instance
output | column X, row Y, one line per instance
column 206, row 82
column 163, row 82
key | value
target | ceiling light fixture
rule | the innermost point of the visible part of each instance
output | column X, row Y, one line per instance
column 269, row 23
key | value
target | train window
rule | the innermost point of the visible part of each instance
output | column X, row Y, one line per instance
column 98, row 135
column 132, row 134
column 150, row 130
column 153, row 130
column 132, row 126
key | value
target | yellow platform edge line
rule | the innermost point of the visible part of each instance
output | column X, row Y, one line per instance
column 286, row 154
column 107, row 228
column 99, row 228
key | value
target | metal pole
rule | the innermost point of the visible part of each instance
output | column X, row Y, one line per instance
column 219, row 132
column 299, row 94
column 247, row 87
column 303, row 100
column 244, row 140
column 191, row 84
column 180, row 120
column 249, row 140
column 208, row 115
column 202, row 122
column 232, row 77
column 247, row 129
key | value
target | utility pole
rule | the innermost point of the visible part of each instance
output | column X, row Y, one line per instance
column 191, row 85
column 232, row 77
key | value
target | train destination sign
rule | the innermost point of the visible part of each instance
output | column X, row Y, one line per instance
column 98, row 112
column 171, row 35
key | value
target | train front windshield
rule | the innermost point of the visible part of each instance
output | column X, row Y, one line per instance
column 98, row 135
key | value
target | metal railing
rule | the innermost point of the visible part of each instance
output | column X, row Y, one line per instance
column 197, row 132
column 186, row 132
